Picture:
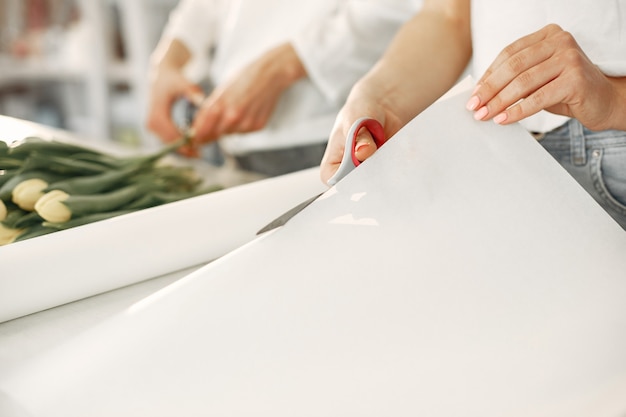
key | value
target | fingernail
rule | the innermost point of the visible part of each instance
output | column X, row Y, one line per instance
column 473, row 103
column 197, row 99
column 501, row 118
column 359, row 146
column 481, row 113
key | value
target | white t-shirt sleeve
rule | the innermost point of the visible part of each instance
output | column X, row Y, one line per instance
column 195, row 24
column 339, row 49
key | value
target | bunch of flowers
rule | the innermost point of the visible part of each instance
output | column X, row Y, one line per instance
column 51, row 185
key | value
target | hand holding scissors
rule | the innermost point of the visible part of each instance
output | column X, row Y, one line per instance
column 348, row 163
column 349, row 160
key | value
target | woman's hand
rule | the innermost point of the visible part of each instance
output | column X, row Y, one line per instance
column 406, row 79
column 364, row 100
column 547, row 70
column 246, row 102
column 167, row 85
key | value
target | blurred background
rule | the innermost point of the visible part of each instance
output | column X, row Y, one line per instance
column 80, row 65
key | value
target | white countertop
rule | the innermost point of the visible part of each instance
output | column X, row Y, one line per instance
column 24, row 338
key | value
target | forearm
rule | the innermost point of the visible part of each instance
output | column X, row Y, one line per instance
column 285, row 65
column 171, row 54
column 439, row 46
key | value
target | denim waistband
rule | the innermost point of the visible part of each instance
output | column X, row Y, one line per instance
column 576, row 138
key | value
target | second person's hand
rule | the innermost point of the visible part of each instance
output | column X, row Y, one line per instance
column 246, row 102
column 168, row 84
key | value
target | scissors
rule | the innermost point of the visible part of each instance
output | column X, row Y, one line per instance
column 349, row 161
column 183, row 112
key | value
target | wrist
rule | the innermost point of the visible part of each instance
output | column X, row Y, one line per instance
column 172, row 55
column 618, row 107
column 287, row 65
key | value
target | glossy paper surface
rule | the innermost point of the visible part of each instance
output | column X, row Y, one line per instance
column 459, row 271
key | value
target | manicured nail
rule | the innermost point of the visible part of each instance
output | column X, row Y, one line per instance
column 501, row 118
column 473, row 103
column 359, row 146
column 481, row 113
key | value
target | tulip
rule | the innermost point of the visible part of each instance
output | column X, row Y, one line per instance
column 55, row 186
column 26, row 193
column 8, row 235
column 51, row 207
column 3, row 211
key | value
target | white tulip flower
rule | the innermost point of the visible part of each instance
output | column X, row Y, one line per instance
column 27, row 192
column 50, row 206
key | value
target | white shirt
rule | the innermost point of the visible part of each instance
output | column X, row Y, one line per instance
column 599, row 27
column 337, row 41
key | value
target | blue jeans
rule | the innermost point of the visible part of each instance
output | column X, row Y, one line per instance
column 597, row 160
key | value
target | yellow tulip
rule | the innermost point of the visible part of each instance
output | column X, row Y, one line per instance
column 3, row 211
column 26, row 193
column 50, row 206
column 8, row 235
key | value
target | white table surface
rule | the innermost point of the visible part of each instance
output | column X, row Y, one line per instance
column 23, row 338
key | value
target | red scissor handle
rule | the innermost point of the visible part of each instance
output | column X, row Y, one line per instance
column 349, row 160
column 374, row 128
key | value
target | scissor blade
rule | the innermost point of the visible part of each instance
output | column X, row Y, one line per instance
column 348, row 163
column 286, row 216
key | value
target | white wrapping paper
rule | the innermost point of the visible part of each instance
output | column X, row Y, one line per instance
column 460, row 271
column 65, row 266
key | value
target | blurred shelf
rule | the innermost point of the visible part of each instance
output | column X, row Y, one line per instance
column 26, row 71
column 17, row 71
column 108, row 56
column 120, row 73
